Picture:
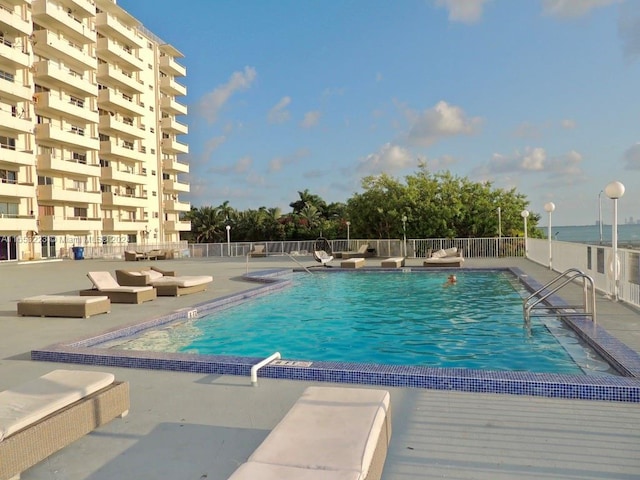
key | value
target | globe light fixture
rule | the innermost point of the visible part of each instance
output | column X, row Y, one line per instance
column 614, row 191
column 348, row 223
column 549, row 207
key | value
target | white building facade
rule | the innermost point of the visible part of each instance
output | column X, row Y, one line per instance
column 89, row 130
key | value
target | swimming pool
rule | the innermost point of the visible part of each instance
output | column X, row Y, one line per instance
column 93, row 351
column 386, row 318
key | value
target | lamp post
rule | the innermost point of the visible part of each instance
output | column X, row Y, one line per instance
column 228, row 227
column 348, row 223
column 600, row 214
column 614, row 191
column 525, row 214
column 549, row 207
column 499, row 222
column 404, row 235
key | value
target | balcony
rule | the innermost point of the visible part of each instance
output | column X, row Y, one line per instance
column 111, row 150
column 16, row 190
column 14, row 91
column 177, row 226
column 176, row 206
column 46, row 162
column 51, row 193
column 110, row 26
column 113, row 175
column 175, row 186
column 170, row 145
column 56, row 17
column 14, row 56
column 169, row 105
column 12, row 124
column 50, row 135
column 111, row 100
column 111, row 75
column 50, row 104
column 11, row 155
column 14, row 24
column 9, row 223
column 169, row 65
column 48, row 73
column 52, row 223
column 124, row 226
column 171, row 165
column 169, row 86
column 85, row 8
column 113, row 52
column 170, row 125
column 111, row 199
column 49, row 45
column 111, row 125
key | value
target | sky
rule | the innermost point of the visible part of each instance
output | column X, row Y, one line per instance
column 285, row 95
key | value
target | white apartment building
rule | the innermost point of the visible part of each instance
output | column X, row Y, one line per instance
column 89, row 130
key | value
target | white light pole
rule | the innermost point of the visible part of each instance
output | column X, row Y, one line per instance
column 404, row 235
column 549, row 207
column 348, row 241
column 228, row 227
column 499, row 222
column 524, row 214
column 600, row 214
column 614, row 191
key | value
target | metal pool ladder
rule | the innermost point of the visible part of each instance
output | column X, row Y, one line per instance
column 537, row 300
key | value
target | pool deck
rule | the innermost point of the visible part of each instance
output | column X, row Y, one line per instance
column 195, row 426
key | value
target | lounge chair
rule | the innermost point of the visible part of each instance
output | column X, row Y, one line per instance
column 258, row 251
column 63, row 306
column 329, row 434
column 133, row 256
column 450, row 257
column 352, row 263
column 395, row 262
column 105, row 284
column 166, row 283
column 363, row 252
column 46, row 414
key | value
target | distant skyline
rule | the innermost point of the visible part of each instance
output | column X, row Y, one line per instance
column 287, row 95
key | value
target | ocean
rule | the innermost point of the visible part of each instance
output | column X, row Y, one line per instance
column 628, row 234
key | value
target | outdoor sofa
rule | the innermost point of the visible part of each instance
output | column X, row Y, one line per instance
column 165, row 282
column 46, row 414
column 329, row 434
column 105, row 284
column 63, row 306
column 450, row 257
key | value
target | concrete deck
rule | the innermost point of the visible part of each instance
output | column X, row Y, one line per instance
column 194, row 426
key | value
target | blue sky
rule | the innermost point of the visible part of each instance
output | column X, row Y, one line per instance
column 287, row 95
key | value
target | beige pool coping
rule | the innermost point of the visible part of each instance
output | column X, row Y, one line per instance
column 194, row 426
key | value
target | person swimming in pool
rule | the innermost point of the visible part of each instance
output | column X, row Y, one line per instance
column 452, row 280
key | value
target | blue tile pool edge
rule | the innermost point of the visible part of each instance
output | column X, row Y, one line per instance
column 585, row 387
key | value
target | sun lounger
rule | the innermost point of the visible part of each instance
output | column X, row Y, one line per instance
column 46, row 414
column 395, row 262
column 352, row 263
column 63, row 306
column 363, row 252
column 258, row 251
column 450, row 257
column 329, row 434
column 105, row 284
column 132, row 256
column 165, row 282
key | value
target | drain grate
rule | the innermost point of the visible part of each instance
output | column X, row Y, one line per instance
column 290, row 363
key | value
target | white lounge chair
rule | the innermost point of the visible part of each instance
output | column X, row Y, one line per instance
column 105, row 284
column 165, row 282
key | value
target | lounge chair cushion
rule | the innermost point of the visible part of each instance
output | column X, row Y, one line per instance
column 450, row 252
column 439, row 254
column 182, row 281
column 64, row 299
column 34, row 400
column 328, row 429
column 152, row 274
column 264, row 471
column 105, row 282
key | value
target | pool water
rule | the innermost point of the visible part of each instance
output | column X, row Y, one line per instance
column 386, row 318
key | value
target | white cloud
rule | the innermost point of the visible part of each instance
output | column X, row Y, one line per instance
column 390, row 158
column 211, row 103
column 629, row 29
column 439, row 122
column 632, row 157
column 573, row 8
column 279, row 112
column 311, row 119
column 465, row 11
column 568, row 124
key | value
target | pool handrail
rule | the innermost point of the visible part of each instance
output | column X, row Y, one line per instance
column 259, row 365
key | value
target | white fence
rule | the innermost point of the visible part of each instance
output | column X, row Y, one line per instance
column 594, row 260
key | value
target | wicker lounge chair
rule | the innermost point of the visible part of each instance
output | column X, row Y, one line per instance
column 63, row 306
column 329, row 434
column 395, row 262
column 450, row 257
column 105, row 284
column 363, row 252
column 46, row 414
column 166, row 283
column 258, row 251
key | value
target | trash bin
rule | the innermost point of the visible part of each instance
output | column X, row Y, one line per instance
column 78, row 253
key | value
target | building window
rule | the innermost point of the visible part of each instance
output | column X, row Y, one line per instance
column 45, row 180
column 80, row 212
column 9, row 209
column 7, row 142
column 80, row 157
column 77, row 130
column 9, row 77
column 78, row 102
column 8, row 176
